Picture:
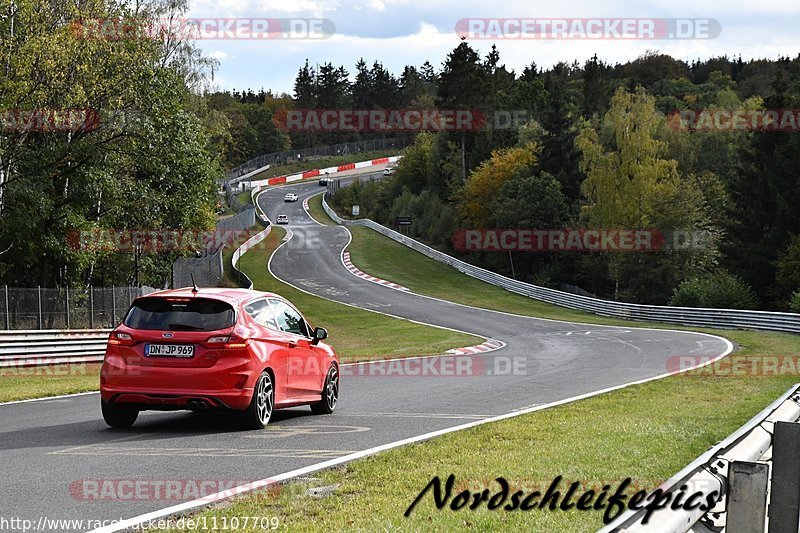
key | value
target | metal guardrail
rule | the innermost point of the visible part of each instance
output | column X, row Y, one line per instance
column 26, row 348
column 687, row 316
column 304, row 154
column 755, row 445
column 243, row 278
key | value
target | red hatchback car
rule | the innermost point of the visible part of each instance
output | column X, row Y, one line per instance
column 229, row 349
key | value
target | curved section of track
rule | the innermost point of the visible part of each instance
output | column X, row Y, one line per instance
column 552, row 360
column 61, row 461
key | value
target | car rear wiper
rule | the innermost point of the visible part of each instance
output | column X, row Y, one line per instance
column 184, row 327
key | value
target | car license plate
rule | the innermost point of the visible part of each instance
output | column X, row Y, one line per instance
column 169, row 350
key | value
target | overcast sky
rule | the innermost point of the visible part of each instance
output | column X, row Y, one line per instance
column 401, row 32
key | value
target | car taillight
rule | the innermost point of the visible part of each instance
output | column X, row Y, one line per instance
column 228, row 341
column 123, row 339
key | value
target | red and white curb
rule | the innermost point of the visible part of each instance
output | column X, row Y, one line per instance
column 324, row 171
column 356, row 272
column 305, row 205
column 489, row 346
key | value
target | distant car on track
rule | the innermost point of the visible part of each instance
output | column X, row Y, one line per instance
column 388, row 171
column 291, row 197
column 282, row 219
column 232, row 350
column 323, row 182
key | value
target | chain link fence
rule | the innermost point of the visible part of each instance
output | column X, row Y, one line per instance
column 231, row 196
column 207, row 271
column 305, row 154
column 65, row 308
column 228, row 228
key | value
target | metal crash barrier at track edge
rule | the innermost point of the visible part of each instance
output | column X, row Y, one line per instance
column 687, row 316
column 736, row 472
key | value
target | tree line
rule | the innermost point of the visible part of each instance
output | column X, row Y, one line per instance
column 600, row 148
column 596, row 149
column 146, row 160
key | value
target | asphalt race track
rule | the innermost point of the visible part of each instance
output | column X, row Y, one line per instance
column 49, row 447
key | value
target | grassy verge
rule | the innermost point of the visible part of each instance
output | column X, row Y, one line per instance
column 324, row 162
column 244, row 198
column 228, row 277
column 317, row 212
column 646, row 432
column 352, row 331
column 382, row 257
column 41, row 381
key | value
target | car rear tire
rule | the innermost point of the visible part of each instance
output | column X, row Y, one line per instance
column 118, row 416
column 258, row 413
column 330, row 394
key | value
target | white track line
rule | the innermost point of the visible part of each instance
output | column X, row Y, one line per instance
column 269, row 268
column 45, row 398
column 242, row 489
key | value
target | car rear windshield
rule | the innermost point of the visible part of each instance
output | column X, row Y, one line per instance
column 168, row 314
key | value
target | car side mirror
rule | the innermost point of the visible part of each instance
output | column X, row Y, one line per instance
column 319, row 334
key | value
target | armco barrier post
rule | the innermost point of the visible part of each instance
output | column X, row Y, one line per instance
column 91, row 307
column 113, row 306
column 784, row 498
column 66, row 306
column 8, row 316
column 39, row 299
column 747, row 500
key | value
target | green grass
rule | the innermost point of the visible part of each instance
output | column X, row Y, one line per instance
column 353, row 332
column 228, row 277
column 324, row 162
column 382, row 257
column 317, row 212
column 646, row 432
column 244, row 198
column 41, row 381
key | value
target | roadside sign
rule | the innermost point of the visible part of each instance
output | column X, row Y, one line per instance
column 356, row 210
column 402, row 221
